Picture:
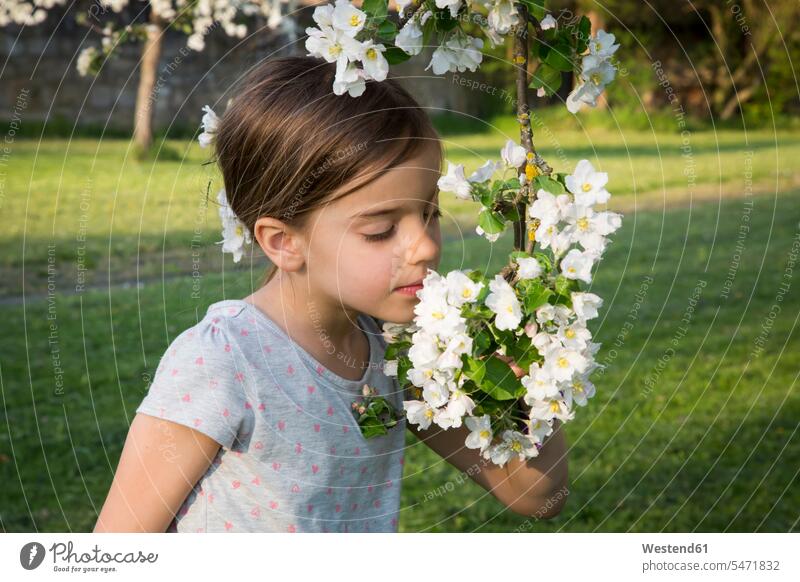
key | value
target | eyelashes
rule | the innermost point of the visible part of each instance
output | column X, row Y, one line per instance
column 435, row 215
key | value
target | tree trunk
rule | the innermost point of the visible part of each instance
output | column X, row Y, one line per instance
column 148, row 71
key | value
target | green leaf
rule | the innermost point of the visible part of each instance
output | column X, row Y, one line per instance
column 548, row 185
column 474, row 369
column 560, row 57
column 395, row 55
column 403, row 366
column 547, row 78
column 547, row 265
column 565, row 286
column 583, row 34
column 481, row 342
column 491, row 222
column 513, row 184
column 535, row 294
column 536, row 8
column 387, row 30
column 511, row 214
column 524, row 352
column 499, row 380
column 376, row 9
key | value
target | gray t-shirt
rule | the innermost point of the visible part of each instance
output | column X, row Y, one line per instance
column 292, row 456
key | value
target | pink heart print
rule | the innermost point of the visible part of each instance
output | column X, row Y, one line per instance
column 228, row 525
column 290, row 370
column 276, row 466
column 314, row 469
column 187, row 397
column 199, row 361
column 298, row 448
column 236, row 484
column 310, row 389
column 256, row 511
column 281, row 424
column 273, row 505
column 295, row 488
column 317, row 427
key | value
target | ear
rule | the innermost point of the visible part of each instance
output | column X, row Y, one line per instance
column 282, row 244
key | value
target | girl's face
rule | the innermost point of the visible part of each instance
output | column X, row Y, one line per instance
column 381, row 237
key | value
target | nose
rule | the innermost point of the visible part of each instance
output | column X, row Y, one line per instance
column 424, row 244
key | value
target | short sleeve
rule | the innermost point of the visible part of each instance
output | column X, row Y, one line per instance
column 197, row 384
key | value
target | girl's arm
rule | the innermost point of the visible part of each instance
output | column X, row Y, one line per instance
column 533, row 488
column 160, row 464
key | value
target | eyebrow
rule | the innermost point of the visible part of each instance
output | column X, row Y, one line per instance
column 389, row 211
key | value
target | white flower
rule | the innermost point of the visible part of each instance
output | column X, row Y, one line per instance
column 561, row 363
column 540, row 384
column 210, row 123
column 234, row 233
column 549, row 208
column 531, row 329
column 503, row 16
column 435, row 394
column 424, row 350
column 349, row 78
column 574, row 336
column 503, row 301
column 457, row 345
column 586, row 305
column 602, row 45
column 514, row 443
column 483, row 173
column 585, row 226
column 480, row 436
column 455, row 182
column 419, row 413
column 375, row 64
column 437, row 317
column 577, row 265
column 549, row 409
column 514, row 155
column 539, row 429
column 583, row 94
column 458, row 53
column 580, row 389
column 529, row 268
column 548, row 236
column 548, row 22
column 409, row 39
column 348, row 18
column 332, row 44
column 390, row 367
column 461, row 289
column 85, row 60
column 597, row 71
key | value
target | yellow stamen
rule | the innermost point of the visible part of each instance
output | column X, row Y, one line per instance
column 466, row 292
column 586, row 186
column 531, row 171
column 570, row 333
column 354, row 20
column 372, row 54
column 583, row 223
column 563, row 362
column 437, row 315
column 554, row 406
column 485, row 434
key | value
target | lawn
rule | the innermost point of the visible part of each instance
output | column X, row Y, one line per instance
column 694, row 425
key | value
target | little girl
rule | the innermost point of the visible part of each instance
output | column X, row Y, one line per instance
column 248, row 424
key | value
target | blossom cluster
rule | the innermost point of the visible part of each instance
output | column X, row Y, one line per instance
column 597, row 71
column 542, row 303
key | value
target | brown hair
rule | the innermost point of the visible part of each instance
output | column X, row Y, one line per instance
column 286, row 142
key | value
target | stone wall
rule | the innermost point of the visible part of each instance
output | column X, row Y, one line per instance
column 41, row 60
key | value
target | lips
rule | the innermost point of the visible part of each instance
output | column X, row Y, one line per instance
column 410, row 289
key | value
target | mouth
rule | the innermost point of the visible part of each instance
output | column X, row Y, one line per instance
column 410, row 289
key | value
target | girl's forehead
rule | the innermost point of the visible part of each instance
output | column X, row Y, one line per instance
column 407, row 183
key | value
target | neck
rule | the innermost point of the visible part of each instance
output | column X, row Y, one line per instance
column 321, row 326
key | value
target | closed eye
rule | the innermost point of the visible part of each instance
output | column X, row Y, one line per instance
column 380, row 236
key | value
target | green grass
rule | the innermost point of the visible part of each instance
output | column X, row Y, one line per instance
column 713, row 446
column 136, row 220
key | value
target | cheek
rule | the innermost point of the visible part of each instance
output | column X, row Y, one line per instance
column 356, row 269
